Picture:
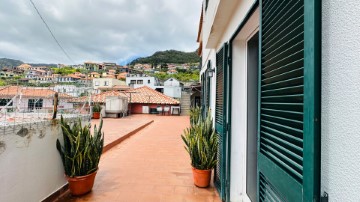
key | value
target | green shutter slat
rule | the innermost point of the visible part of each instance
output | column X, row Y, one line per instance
column 288, row 82
column 292, row 74
column 286, row 60
column 220, row 121
column 286, row 143
column 287, row 37
column 289, row 152
column 284, row 165
column 267, row 192
column 294, row 166
column 279, row 35
column 271, row 10
column 283, row 16
column 284, row 91
column 283, row 83
column 283, row 46
column 284, row 53
column 282, row 134
column 284, row 113
column 293, row 122
column 289, row 67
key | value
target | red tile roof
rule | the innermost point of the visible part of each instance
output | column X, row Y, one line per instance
column 147, row 95
column 11, row 91
column 143, row 95
column 98, row 98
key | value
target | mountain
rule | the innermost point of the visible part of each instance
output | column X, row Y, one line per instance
column 169, row 56
column 5, row 62
column 42, row 65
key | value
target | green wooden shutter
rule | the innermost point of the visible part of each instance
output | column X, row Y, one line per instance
column 220, row 120
column 288, row 159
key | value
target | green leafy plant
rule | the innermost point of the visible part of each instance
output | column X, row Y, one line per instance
column 81, row 151
column 96, row 108
column 201, row 142
column 195, row 113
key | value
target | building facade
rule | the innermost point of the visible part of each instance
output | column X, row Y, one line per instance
column 172, row 88
column 138, row 80
column 281, row 80
column 102, row 83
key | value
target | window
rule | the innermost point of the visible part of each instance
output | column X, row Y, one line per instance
column 139, row 81
column 106, row 83
column 96, row 83
column 149, row 81
column 133, row 82
column 3, row 102
column 35, row 104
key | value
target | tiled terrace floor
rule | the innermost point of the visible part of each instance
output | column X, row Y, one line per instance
column 150, row 166
column 116, row 128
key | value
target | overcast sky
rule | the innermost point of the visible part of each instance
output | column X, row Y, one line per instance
column 96, row 30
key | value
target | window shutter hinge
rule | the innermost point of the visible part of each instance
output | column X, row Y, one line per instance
column 229, row 60
column 324, row 197
column 227, row 127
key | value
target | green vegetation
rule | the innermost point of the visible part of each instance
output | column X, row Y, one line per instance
column 201, row 141
column 169, row 56
column 5, row 62
column 3, row 82
column 183, row 76
column 96, row 108
column 63, row 70
column 81, row 151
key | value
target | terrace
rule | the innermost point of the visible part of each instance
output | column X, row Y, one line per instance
column 144, row 160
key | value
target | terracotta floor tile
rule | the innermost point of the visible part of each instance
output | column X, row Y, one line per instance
column 151, row 165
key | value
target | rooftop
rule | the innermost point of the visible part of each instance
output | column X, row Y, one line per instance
column 151, row 165
column 138, row 95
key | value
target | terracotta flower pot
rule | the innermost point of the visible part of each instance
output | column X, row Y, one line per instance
column 82, row 184
column 201, row 177
column 96, row 115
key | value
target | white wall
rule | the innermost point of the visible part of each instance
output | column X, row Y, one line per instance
column 111, row 82
column 47, row 104
column 172, row 91
column 172, row 82
column 239, row 94
column 152, row 83
column 30, row 165
column 340, row 112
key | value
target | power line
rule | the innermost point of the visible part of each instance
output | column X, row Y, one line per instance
column 52, row 34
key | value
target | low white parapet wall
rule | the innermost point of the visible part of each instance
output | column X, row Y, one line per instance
column 30, row 165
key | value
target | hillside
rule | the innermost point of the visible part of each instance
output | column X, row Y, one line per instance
column 169, row 56
column 5, row 62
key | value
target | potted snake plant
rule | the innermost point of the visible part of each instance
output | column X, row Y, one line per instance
column 80, row 154
column 201, row 142
column 96, row 111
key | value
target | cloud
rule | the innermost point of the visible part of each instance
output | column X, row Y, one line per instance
column 97, row 30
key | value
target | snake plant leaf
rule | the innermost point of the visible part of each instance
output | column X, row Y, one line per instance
column 81, row 151
column 201, row 141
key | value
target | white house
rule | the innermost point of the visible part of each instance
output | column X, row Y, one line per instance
column 172, row 88
column 137, row 80
column 282, row 81
column 71, row 90
column 28, row 99
column 102, row 83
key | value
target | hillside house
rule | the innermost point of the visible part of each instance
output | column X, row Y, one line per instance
column 139, row 80
column 28, row 99
column 105, row 83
